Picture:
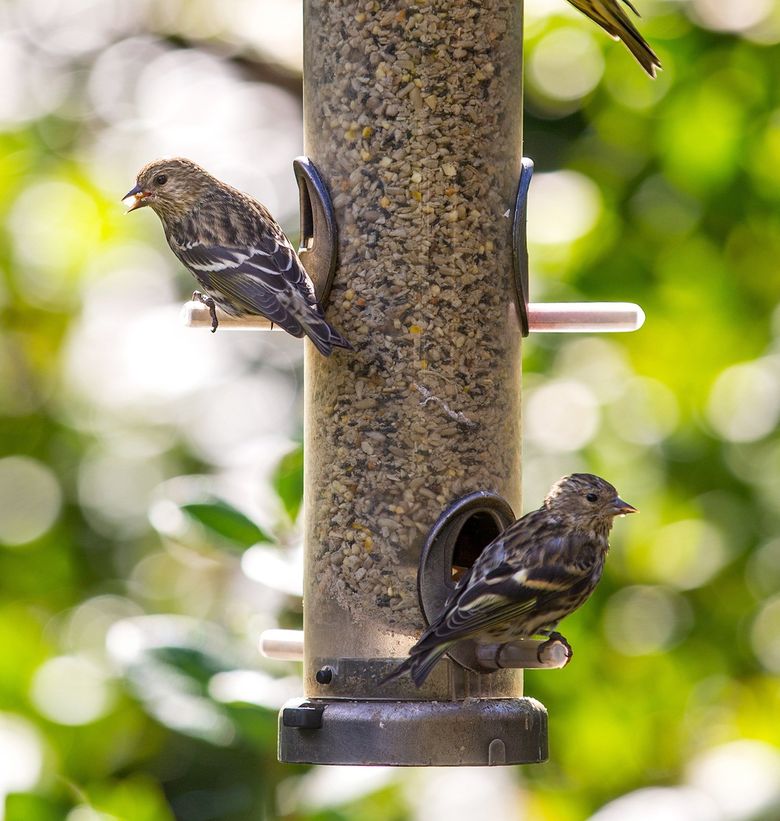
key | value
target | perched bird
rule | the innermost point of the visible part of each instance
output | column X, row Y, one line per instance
column 611, row 17
column 540, row 569
column 235, row 249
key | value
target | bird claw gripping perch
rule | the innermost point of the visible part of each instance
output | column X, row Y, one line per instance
column 197, row 296
column 554, row 638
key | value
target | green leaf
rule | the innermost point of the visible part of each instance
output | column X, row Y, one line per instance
column 288, row 481
column 139, row 798
column 225, row 521
column 32, row 807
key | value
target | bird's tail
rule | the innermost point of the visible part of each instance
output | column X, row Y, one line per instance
column 616, row 23
column 323, row 335
column 419, row 664
column 640, row 48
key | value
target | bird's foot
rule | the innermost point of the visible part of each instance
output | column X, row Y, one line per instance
column 553, row 638
column 206, row 300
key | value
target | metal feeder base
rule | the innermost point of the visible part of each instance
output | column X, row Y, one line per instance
column 474, row 732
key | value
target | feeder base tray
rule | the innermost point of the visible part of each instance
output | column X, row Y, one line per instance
column 473, row 732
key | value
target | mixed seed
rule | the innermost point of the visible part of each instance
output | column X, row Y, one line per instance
column 414, row 120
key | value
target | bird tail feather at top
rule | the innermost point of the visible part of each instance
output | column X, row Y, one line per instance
column 609, row 15
column 641, row 50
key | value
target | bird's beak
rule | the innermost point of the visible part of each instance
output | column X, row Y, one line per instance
column 139, row 198
column 621, row 508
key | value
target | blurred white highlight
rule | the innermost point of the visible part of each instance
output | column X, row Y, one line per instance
column 254, row 687
column 21, row 756
column 55, row 226
column 688, row 553
column 744, row 404
column 654, row 803
column 30, row 500
column 742, row 777
column 331, row 786
column 642, row 619
column 646, row 413
column 464, row 794
column 562, row 207
column 566, row 64
column 283, row 572
column 731, row 15
column 765, row 635
column 72, row 690
column 562, row 415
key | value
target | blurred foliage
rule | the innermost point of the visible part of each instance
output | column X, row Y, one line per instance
column 140, row 463
column 224, row 521
column 288, row 481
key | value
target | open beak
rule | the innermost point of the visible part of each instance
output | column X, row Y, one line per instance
column 621, row 508
column 139, row 197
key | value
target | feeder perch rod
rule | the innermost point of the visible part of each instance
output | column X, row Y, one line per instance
column 523, row 654
column 283, row 645
column 543, row 317
column 287, row 645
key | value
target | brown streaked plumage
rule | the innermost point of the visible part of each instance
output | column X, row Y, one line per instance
column 540, row 569
column 235, row 249
column 611, row 17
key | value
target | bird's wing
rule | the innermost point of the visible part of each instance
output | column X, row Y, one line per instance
column 265, row 278
column 537, row 538
column 508, row 593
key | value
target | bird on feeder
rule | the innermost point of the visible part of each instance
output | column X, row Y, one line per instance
column 611, row 17
column 539, row 570
column 234, row 248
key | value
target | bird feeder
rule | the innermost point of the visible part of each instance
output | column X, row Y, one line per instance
column 413, row 197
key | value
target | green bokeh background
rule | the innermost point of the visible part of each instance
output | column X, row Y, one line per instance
column 149, row 487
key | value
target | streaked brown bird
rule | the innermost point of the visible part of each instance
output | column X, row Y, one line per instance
column 611, row 17
column 235, row 249
column 540, row 569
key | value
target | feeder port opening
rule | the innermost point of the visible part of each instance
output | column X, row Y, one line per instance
column 478, row 531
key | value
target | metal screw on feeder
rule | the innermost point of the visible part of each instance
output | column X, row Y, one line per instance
column 412, row 441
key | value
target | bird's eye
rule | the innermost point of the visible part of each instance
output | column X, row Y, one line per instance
column 592, row 497
column 161, row 179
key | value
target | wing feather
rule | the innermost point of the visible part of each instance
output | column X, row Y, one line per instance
column 497, row 593
column 266, row 279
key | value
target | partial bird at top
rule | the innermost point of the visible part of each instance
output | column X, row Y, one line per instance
column 611, row 17
column 234, row 248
